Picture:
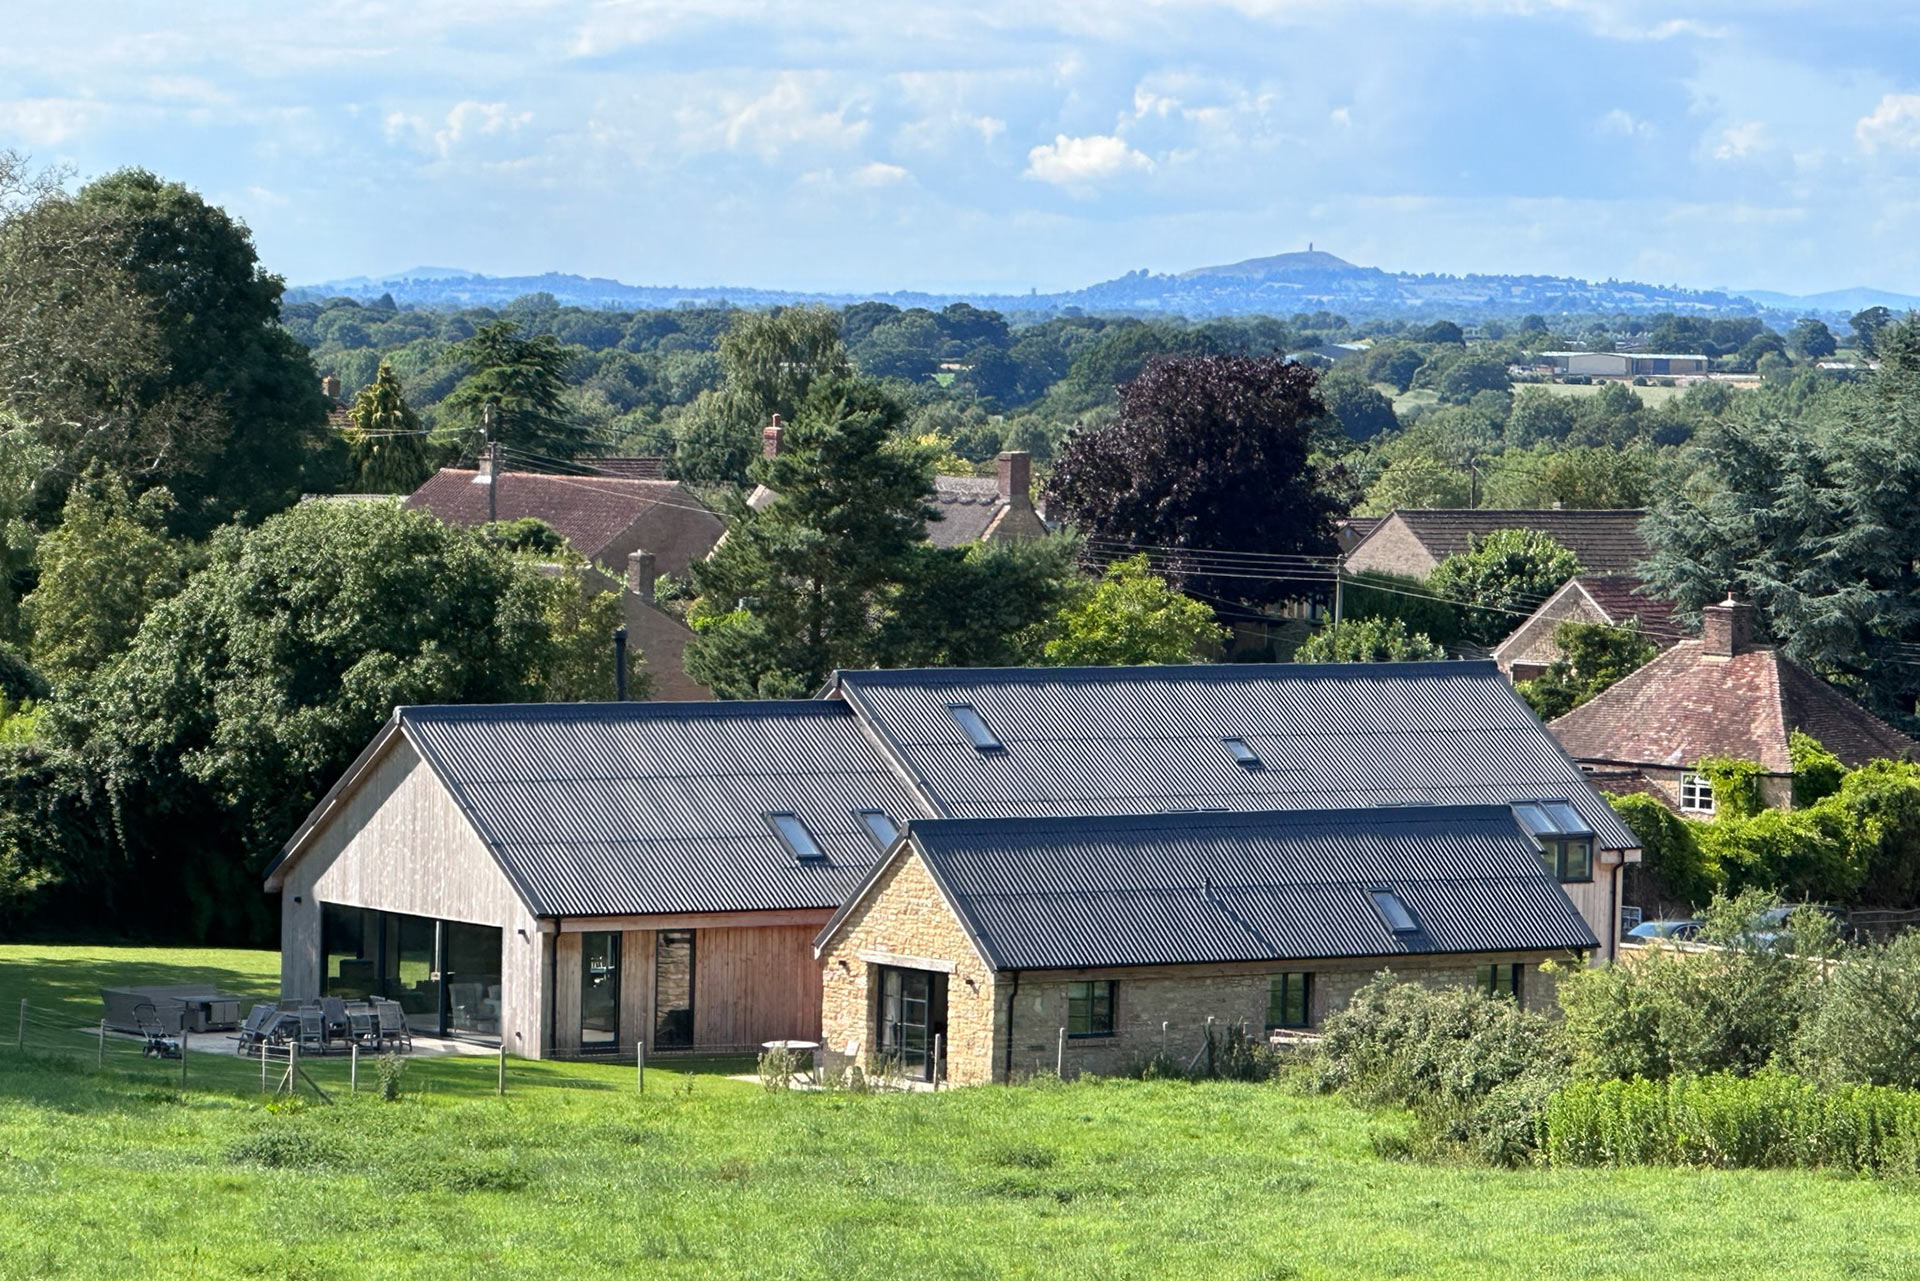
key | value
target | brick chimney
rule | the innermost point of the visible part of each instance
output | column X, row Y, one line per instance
column 770, row 438
column 640, row 575
column 330, row 387
column 1726, row 629
column 1016, row 477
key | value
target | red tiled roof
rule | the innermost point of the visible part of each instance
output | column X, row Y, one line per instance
column 637, row 468
column 588, row 511
column 1622, row 596
column 1606, row 541
column 1686, row 704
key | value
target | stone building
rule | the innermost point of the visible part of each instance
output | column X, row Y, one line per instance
column 1613, row 599
column 1413, row 542
column 990, row 948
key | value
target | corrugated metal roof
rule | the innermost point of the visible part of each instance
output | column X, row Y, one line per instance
column 612, row 809
column 1142, row 739
column 1175, row 889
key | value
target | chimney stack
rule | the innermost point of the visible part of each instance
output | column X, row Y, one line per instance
column 1726, row 629
column 1016, row 476
column 330, row 387
column 770, row 438
column 640, row 575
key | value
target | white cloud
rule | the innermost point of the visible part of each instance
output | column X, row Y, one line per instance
column 1737, row 142
column 879, row 174
column 1895, row 123
column 1622, row 123
column 783, row 118
column 464, row 122
column 1081, row 162
column 48, row 122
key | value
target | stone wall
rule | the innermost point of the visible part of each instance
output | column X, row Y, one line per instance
column 1393, row 548
column 905, row 920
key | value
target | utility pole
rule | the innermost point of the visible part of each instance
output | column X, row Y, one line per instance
column 1473, row 478
column 1339, row 577
column 489, row 416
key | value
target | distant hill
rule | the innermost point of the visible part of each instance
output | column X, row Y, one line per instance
column 1841, row 301
column 1280, row 284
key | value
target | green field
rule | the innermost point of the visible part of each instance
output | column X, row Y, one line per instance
column 120, row 1174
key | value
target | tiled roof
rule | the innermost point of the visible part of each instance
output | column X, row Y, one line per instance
column 1623, row 596
column 1606, row 541
column 967, row 507
column 610, row 809
column 628, row 468
column 1687, row 704
column 588, row 511
column 1171, row 889
column 1119, row 740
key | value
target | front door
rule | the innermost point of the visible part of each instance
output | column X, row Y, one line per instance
column 913, row 1012
column 600, row 990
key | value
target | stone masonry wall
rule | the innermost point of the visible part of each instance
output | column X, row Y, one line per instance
column 905, row 916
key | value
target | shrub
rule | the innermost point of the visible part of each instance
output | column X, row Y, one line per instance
column 777, row 1068
column 1733, row 1008
column 1816, row 771
column 391, row 1070
column 1767, row 1121
column 1736, row 785
column 285, row 1147
column 1861, row 1028
column 1669, row 854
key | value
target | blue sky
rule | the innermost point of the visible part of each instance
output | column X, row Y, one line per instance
column 1006, row 143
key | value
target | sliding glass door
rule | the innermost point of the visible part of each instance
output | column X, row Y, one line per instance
column 445, row 975
column 600, row 991
column 913, row 1012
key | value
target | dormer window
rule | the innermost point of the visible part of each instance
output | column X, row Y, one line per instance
column 1564, row 838
column 794, row 835
column 974, row 726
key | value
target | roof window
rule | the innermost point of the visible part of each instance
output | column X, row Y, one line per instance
column 1248, row 759
column 880, row 827
column 1393, row 912
column 794, row 835
column 974, row 727
column 1546, row 820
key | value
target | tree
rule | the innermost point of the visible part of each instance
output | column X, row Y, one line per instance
column 1502, row 578
column 1470, row 375
column 388, row 445
column 138, row 331
column 1539, row 417
column 1592, row 657
column 1866, row 327
column 523, row 380
column 1440, row 331
column 797, row 588
column 1812, row 339
column 768, row 362
column 101, row 570
column 1131, row 616
column 1362, row 412
column 244, row 696
column 1368, row 640
column 983, row 605
column 1209, row 454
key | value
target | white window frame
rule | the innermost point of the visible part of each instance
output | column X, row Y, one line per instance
column 1696, row 793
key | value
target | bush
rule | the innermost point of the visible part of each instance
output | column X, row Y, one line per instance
column 1861, row 1027
column 1816, row 771
column 1733, row 1008
column 1768, row 1121
column 1669, row 855
column 391, row 1071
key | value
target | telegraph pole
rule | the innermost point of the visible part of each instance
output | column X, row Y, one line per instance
column 488, row 417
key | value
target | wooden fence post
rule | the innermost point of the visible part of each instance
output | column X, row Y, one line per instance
column 503, row 1070
column 293, row 1069
column 102, row 1062
column 939, row 1057
column 1060, row 1056
column 640, row 1066
column 183, row 1056
column 353, row 1068
column 263, row 1066
column 1163, row 1038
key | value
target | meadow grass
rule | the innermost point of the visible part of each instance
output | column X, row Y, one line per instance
column 121, row 1174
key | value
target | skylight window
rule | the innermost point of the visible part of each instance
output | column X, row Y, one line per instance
column 880, row 827
column 794, row 835
column 974, row 727
column 1248, row 758
column 1547, row 819
column 1393, row 911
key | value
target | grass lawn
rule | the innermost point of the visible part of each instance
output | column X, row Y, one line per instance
column 1651, row 396
column 120, row 1174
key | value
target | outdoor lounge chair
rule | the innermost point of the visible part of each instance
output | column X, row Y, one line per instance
column 261, row 1020
column 313, row 1030
column 161, row 1044
column 335, row 1010
column 362, row 1026
column 393, row 1024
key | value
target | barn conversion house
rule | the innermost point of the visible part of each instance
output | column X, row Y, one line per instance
column 572, row 879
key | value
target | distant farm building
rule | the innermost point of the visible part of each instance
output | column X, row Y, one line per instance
column 1622, row 364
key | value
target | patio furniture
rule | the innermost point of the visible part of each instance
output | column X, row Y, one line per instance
column 313, row 1030
column 796, row 1048
column 362, row 1025
column 336, row 1011
column 190, row 1008
column 260, row 1019
column 161, row 1044
column 393, row 1024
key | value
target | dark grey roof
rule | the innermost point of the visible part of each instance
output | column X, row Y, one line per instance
column 612, row 809
column 1120, row 740
column 1173, row 889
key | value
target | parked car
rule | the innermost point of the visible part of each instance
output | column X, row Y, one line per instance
column 1773, row 927
column 1654, row 931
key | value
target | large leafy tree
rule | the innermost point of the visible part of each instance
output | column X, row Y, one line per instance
column 983, row 605
column 138, row 331
column 1502, row 578
column 245, row 695
column 1368, row 640
column 1815, row 519
column 1208, row 455
column 1131, row 616
column 799, row 587
column 386, row 440
column 521, row 381
column 106, row 564
column 769, row 362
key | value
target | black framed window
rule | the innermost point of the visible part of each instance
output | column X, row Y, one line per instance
column 673, row 962
column 1290, row 1001
column 1570, row 860
column 1090, row 1009
column 1498, row 980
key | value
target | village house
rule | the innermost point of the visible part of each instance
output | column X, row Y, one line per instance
column 576, row 878
column 1615, row 600
column 1726, row 694
column 1099, row 944
column 1413, row 541
column 628, row 528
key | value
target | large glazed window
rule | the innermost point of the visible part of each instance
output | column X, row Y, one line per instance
column 600, row 990
column 673, row 989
